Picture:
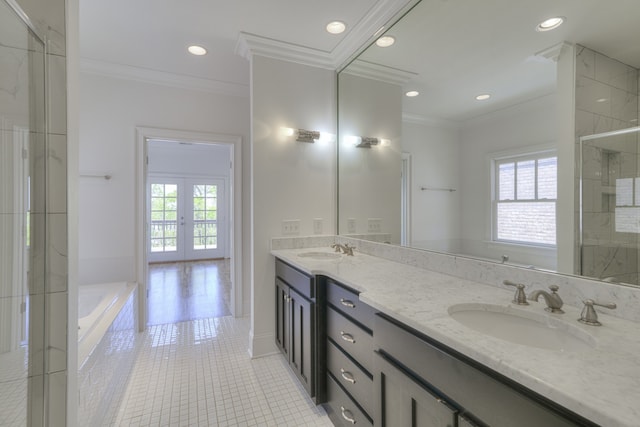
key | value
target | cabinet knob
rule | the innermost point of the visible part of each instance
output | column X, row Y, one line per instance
column 347, row 415
column 347, row 337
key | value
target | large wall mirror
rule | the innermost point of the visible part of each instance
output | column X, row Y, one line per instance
column 478, row 129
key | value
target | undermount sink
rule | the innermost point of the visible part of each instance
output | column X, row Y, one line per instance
column 522, row 327
column 320, row 255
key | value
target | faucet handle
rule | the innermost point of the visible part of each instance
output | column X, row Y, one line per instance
column 589, row 316
column 520, row 297
column 553, row 288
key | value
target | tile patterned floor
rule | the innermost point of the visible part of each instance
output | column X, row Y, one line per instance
column 198, row 373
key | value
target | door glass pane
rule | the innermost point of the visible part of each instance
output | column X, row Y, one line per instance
column 205, row 208
column 164, row 217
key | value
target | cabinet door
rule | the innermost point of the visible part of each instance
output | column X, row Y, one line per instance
column 301, row 353
column 282, row 317
column 402, row 401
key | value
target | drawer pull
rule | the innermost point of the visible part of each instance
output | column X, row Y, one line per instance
column 347, row 303
column 347, row 376
column 347, row 337
column 347, row 415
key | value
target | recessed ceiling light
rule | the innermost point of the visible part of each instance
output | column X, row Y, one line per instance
column 483, row 97
column 197, row 50
column 602, row 100
column 385, row 41
column 550, row 24
column 336, row 27
column 412, row 93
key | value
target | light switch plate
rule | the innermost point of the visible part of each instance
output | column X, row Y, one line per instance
column 351, row 225
column 317, row 225
column 290, row 227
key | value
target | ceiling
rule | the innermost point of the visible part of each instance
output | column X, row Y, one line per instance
column 458, row 49
column 153, row 34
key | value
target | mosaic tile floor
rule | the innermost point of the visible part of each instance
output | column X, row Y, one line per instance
column 198, row 373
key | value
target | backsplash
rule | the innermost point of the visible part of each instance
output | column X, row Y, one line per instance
column 573, row 289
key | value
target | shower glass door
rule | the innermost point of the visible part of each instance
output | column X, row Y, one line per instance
column 22, row 222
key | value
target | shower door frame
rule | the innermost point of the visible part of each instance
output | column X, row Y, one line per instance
column 635, row 129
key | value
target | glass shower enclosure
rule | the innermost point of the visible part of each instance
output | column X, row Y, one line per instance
column 22, row 220
column 610, row 206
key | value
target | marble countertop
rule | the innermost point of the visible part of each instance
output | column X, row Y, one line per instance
column 601, row 384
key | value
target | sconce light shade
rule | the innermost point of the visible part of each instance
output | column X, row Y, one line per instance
column 307, row 135
column 366, row 142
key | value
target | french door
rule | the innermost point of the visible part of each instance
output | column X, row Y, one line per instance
column 186, row 218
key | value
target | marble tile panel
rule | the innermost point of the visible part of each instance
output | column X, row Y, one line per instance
column 56, row 331
column 37, row 172
column 57, row 253
column 597, row 227
column 624, row 105
column 36, row 334
column 35, row 401
column 57, row 392
column 49, row 18
column 585, row 123
column 37, row 250
column 603, row 124
column 593, row 96
column 585, row 62
column 57, row 174
column 57, row 94
column 615, row 73
column 591, row 161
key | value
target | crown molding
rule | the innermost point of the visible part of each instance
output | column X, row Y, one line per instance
column 162, row 78
column 251, row 44
column 419, row 119
column 379, row 72
column 553, row 52
column 384, row 10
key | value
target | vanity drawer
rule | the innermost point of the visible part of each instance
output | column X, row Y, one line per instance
column 354, row 340
column 348, row 302
column 305, row 285
column 341, row 409
column 353, row 379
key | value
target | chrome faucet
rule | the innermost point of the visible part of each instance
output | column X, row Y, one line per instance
column 553, row 300
column 346, row 249
column 589, row 315
column 520, row 297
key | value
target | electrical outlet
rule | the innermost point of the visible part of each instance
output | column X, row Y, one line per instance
column 290, row 227
column 317, row 225
column 374, row 225
column 351, row 225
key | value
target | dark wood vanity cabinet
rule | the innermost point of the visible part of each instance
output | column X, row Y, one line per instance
column 296, row 323
column 349, row 357
column 420, row 382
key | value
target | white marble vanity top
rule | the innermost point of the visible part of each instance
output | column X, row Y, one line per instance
column 602, row 384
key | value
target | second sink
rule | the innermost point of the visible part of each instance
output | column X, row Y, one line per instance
column 522, row 327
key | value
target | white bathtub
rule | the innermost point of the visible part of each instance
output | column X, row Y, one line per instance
column 107, row 332
column 98, row 306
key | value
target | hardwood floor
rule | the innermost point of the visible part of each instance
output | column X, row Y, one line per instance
column 183, row 291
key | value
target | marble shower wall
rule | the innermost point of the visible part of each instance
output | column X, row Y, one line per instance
column 607, row 100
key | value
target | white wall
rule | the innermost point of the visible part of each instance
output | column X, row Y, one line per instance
column 290, row 180
column 435, row 163
column 527, row 125
column 110, row 110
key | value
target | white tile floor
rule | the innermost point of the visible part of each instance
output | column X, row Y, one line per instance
column 198, row 373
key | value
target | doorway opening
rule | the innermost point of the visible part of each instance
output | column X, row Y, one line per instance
column 188, row 200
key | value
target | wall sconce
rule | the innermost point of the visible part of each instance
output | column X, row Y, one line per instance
column 366, row 142
column 303, row 135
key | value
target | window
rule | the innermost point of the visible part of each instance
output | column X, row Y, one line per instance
column 524, row 207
